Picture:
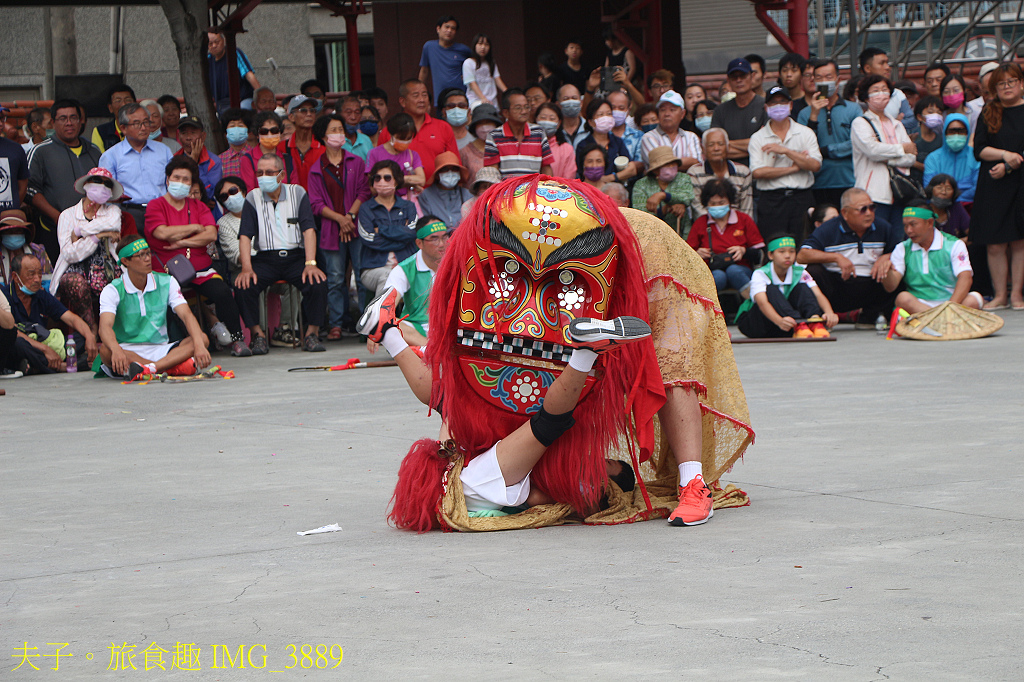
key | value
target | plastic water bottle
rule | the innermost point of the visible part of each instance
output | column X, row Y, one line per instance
column 72, row 357
column 881, row 325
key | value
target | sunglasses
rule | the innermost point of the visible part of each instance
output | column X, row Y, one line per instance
column 270, row 131
column 109, row 184
column 223, row 196
column 384, row 178
column 865, row 209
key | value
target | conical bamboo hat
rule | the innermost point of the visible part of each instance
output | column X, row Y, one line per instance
column 949, row 322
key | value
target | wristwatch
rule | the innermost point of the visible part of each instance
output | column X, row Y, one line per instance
column 352, row 216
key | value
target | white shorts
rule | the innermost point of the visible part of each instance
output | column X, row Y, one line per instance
column 977, row 297
column 154, row 352
column 484, row 486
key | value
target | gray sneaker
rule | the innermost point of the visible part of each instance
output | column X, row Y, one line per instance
column 259, row 346
column 312, row 344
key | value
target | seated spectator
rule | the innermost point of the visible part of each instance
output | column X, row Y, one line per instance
column 446, row 195
column 703, row 114
column 646, row 118
column 684, row 144
column 601, row 122
column 717, row 165
column 485, row 119
column 549, row 119
column 848, row 257
column 454, row 108
column 38, row 348
column 484, row 178
column 337, row 189
column 928, row 112
column 17, row 235
column 171, row 108
column 593, row 160
column 278, row 222
column 133, row 320
column 177, row 225
column 156, row 120
column 230, row 193
column 947, row 275
column 618, row 193
column 943, row 196
column 430, row 135
column 387, row 225
column 692, row 94
column 263, row 100
column 619, row 101
column 193, row 145
column 351, row 112
column 414, row 277
column 237, row 125
column 822, row 213
column 401, row 132
column 38, row 127
column 568, row 100
column 8, row 337
column 517, row 148
column 269, row 128
column 784, row 299
column 724, row 237
column 664, row 191
column 88, row 234
column 955, row 158
column 137, row 162
column 106, row 135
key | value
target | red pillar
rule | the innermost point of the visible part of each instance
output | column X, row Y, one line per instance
column 355, row 76
column 798, row 27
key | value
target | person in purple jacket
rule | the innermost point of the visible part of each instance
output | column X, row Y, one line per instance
column 337, row 188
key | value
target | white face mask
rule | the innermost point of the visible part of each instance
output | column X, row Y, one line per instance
column 449, row 179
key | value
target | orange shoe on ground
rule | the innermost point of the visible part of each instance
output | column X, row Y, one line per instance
column 185, row 369
column 818, row 330
column 802, row 331
column 695, row 504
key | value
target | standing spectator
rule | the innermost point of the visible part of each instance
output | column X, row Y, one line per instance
column 193, row 145
column 218, row 72
column 301, row 151
column 387, row 225
column 928, row 112
column 704, row 112
column 38, row 127
column 743, row 115
column 934, row 74
column 378, row 99
column 572, row 70
column 724, row 237
column 17, row 236
column 485, row 119
column 156, row 120
column 445, row 195
column 337, row 189
column 658, row 83
column 618, row 54
column 718, row 166
column 106, row 135
column 356, row 142
column 784, row 157
column 619, row 102
column 979, row 102
column 480, row 74
column 454, row 108
column 13, row 170
column 831, row 118
column 692, row 94
column 955, row 158
column 268, row 126
column 137, row 162
column 572, row 123
column 401, row 130
column 432, row 136
column 664, row 191
column 171, row 108
column 874, row 61
column 758, row 68
column 546, row 75
column 879, row 141
column 996, row 220
column 954, row 96
column 809, row 87
column 442, row 60
column 601, row 121
column 549, row 119
column 277, row 220
column 55, row 165
column 314, row 89
column 264, row 99
column 536, row 94
column 517, row 148
column 684, row 144
column 791, row 75
column 237, row 125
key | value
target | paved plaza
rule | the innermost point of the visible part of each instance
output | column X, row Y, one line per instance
column 156, row 524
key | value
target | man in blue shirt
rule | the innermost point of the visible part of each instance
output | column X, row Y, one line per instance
column 831, row 117
column 137, row 162
column 442, row 59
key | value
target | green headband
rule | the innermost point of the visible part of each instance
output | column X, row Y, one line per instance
column 781, row 243
column 129, row 250
column 431, row 228
column 918, row 212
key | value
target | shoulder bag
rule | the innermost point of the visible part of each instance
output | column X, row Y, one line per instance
column 904, row 188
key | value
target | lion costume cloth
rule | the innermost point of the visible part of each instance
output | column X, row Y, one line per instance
column 534, row 253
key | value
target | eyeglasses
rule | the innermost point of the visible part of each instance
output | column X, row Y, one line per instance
column 519, row 108
column 305, row 110
column 69, row 119
column 382, row 178
column 436, row 238
column 1008, row 83
column 137, row 124
column 536, row 99
column 266, row 173
column 270, row 131
column 865, row 209
column 223, row 196
column 109, row 184
column 145, row 254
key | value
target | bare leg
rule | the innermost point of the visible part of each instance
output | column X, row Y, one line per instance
column 997, row 270
column 412, row 337
column 179, row 354
column 311, row 330
column 681, row 423
column 912, row 304
column 257, row 330
column 1017, row 272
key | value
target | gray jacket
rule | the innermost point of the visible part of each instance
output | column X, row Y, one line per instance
column 53, row 169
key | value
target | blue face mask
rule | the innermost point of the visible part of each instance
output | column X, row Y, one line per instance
column 702, row 123
column 648, row 127
column 269, row 183
column 178, row 190
column 27, row 292
column 236, row 135
column 155, row 134
column 351, row 130
column 717, row 212
column 457, row 117
column 369, row 128
column 235, row 202
column 13, row 241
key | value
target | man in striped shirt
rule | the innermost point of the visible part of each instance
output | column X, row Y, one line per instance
column 517, row 148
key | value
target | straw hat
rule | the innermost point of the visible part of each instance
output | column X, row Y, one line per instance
column 103, row 173
column 949, row 322
column 661, row 156
column 448, row 160
column 489, row 174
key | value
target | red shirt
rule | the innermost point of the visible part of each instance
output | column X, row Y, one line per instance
column 434, row 136
column 160, row 212
column 297, row 167
column 739, row 231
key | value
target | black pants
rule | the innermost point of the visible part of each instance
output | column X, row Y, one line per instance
column 270, row 267
column 800, row 304
column 853, row 293
column 783, row 212
column 7, row 338
column 217, row 292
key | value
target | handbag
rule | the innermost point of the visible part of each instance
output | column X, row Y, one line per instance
column 180, row 268
column 904, row 188
column 719, row 261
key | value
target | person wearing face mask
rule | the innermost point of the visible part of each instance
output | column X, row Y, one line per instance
column 398, row 148
column 485, row 119
column 549, row 119
column 592, row 162
column 454, row 107
column 951, row 217
column 230, row 193
column 879, row 141
column 177, row 225
column 928, row 112
column 692, row 94
column 619, row 102
column 703, row 114
column 830, row 117
column 337, row 189
column 954, row 96
column 88, row 234
column 955, row 158
column 715, row 143
column 355, row 142
column 156, row 119
column 665, row 191
column 446, row 194
column 784, row 157
column 16, row 236
column 601, row 122
column 269, row 128
column 387, row 225
column 572, row 124
column 725, row 238
column 237, row 124
column 369, row 124
column 646, row 118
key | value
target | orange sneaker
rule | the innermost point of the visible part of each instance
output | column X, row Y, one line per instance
column 802, row 331
column 818, row 330
column 184, row 369
column 695, row 504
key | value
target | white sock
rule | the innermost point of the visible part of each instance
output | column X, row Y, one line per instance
column 393, row 341
column 688, row 471
column 582, row 360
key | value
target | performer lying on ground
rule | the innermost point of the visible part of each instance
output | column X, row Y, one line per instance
column 528, row 261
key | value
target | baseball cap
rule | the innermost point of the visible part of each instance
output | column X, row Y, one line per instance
column 778, row 91
column 299, row 100
column 738, row 64
column 671, row 97
column 987, row 68
column 191, row 121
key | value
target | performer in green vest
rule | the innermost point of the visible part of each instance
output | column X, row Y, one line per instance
column 784, row 299
column 133, row 320
column 935, row 265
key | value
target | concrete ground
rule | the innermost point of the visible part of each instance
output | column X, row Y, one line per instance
column 883, row 541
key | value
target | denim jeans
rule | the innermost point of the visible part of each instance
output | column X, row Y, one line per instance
column 335, row 265
column 735, row 276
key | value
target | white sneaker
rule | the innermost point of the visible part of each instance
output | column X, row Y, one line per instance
column 10, row 374
column 220, row 331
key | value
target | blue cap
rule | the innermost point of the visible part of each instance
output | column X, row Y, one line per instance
column 738, row 64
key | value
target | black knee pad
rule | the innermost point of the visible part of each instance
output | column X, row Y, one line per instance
column 548, row 427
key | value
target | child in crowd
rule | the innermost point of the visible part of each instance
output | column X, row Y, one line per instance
column 785, row 299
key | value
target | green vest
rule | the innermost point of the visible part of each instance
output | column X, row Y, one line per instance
column 787, row 289
column 417, row 299
column 938, row 283
column 129, row 324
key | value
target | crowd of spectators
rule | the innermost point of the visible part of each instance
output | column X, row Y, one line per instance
column 325, row 196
